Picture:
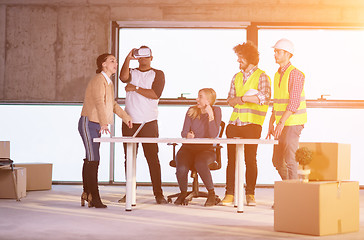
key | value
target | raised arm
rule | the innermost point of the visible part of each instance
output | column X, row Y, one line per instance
column 124, row 75
column 214, row 125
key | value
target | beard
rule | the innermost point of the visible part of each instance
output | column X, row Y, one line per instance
column 243, row 66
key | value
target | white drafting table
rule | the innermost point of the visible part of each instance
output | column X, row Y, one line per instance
column 131, row 161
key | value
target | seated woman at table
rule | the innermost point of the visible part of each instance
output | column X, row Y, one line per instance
column 201, row 121
column 97, row 113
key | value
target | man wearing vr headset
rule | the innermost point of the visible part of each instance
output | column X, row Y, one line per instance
column 144, row 86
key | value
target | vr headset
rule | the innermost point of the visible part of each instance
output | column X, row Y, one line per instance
column 142, row 52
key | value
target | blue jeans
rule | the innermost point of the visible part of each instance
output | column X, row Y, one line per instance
column 284, row 152
column 191, row 157
column 88, row 131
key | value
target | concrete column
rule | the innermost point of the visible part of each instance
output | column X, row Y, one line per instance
column 30, row 60
column 2, row 49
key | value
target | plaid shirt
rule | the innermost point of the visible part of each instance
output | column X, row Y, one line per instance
column 264, row 91
column 295, row 87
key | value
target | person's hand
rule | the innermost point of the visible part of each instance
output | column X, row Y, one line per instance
column 130, row 87
column 104, row 129
column 130, row 55
column 130, row 124
column 209, row 110
column 234, row 101
column 278, row 130
column 270, row 131
column 190, row 134
column 128, row 121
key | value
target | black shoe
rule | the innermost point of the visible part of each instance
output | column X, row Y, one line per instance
column 122, row 200
column 181, row 200
column 211, row 199
column 160, row 199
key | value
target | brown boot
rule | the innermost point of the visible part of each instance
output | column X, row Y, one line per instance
column 93, row 185
column 84, row 195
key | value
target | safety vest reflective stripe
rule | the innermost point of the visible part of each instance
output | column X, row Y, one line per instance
column 248, row 112
column 280, row 113
column 287, row 100
column 281, row 100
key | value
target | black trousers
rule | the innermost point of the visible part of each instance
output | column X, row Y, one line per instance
column 252, row 131
column 150, row 150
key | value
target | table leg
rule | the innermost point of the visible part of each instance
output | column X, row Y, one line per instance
column 133, row 201
column 129, row 176
column 236, row 185
column 240, row 176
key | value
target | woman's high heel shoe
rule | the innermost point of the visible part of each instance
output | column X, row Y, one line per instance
column 95, row 201
column 94, row 197
column 89, row 200
column 84, row 198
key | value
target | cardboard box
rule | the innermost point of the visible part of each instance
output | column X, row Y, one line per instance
column 316, row 208
column 39, row 175
column 7, row 182
column 4, row 149
column 331, row 161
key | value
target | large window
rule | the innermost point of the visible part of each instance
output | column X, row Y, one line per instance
column 190, row 58
column 332, row 60
column 193, row 59
column 48, row 134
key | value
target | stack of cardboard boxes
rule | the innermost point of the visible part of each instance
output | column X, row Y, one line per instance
column 10, row 186
column 328, row 203
column 28, row 176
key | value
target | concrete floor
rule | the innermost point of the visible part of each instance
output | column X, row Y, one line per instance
column 56, row 214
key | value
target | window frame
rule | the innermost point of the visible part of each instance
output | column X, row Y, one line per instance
column 175, row 25
column 252, row 34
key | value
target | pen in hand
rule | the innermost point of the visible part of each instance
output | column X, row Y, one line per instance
column 190, row 134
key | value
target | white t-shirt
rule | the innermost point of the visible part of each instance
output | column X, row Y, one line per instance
column 140, row 108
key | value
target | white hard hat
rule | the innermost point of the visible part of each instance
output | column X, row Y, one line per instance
column 251, row 92
column 285, row 45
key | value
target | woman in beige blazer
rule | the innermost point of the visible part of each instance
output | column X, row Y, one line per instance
column 97, row 113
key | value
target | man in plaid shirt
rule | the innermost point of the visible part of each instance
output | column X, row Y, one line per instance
column 289, row 111
column 249, row 95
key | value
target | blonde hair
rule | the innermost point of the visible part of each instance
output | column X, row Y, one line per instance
column 194, row 111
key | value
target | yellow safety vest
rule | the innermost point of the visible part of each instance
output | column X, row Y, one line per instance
column 281, row 99
column 248, row 112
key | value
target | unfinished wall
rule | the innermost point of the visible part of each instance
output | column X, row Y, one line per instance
column 83, row 34
column 48, row 48
column 49, row 52
column 2, row 50
column 324, row 11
